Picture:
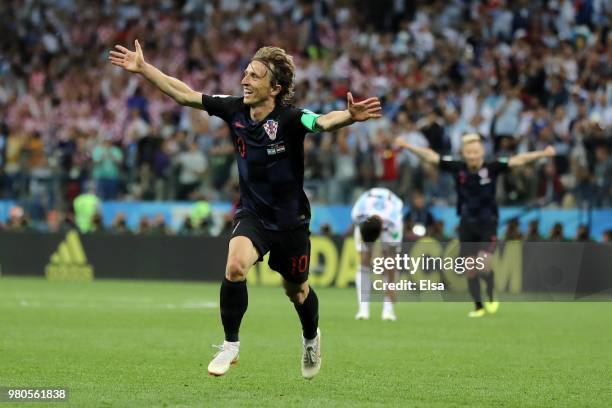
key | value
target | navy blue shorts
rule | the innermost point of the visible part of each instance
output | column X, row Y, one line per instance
column 289, row 250
column 476, row 237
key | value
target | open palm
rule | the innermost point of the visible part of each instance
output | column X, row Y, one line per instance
column 132, row 61
column 364, row 110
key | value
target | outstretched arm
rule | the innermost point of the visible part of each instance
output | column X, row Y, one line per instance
column 133, row 61
column 423, row 153
column 524, row 158
column 355, row 112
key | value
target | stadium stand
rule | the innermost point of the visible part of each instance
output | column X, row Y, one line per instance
column 523, row 74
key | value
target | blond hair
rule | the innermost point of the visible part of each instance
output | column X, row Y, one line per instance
column 282, row 71
column 470, row 138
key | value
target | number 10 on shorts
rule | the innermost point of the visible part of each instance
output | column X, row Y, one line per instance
column 299, row 264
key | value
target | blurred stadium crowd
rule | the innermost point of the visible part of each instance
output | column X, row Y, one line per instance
column 523, row 74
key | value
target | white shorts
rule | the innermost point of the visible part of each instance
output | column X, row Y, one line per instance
column 387, row 236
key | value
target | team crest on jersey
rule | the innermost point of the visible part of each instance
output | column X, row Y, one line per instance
column 484, row 176
column 271, row 126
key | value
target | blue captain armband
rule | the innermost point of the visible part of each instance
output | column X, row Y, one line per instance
column 309, row 120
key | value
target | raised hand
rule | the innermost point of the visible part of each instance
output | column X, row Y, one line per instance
column 132, row 61
column 364, row 110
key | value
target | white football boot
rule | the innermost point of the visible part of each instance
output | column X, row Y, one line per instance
column 389, row 315
column 224, row 358
column 363, row 314
column 311, row 356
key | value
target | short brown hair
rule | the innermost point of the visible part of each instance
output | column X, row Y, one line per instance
column 282, row 71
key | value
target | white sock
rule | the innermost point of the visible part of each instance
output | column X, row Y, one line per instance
column 231, row 344
column 387, row 302
column 387, row 305
column 309, row 341
column 362, row 280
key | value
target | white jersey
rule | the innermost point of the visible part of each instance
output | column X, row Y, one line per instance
column 383, row 203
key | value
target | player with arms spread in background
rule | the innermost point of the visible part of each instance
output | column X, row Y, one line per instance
column 475, row 181
column 273, row 214
column 377, row 216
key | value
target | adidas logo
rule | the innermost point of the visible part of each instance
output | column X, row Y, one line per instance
column 69, row 261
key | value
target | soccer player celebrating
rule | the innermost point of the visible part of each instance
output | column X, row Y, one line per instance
column 274, row 213
column 377, row 216
column 475, row 181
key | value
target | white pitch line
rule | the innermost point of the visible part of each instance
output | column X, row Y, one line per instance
column 190, row 305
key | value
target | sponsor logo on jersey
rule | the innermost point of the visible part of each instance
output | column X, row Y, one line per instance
column 271, row 126
column 276, row 149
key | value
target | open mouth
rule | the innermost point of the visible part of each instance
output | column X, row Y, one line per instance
column 248, row 92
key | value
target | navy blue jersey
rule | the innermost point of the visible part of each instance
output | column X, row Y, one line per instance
column 475, row 190
column 270, row 157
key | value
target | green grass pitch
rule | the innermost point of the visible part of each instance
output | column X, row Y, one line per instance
column 147, row 344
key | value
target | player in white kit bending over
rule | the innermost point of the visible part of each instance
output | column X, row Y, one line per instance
column 377, row 216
